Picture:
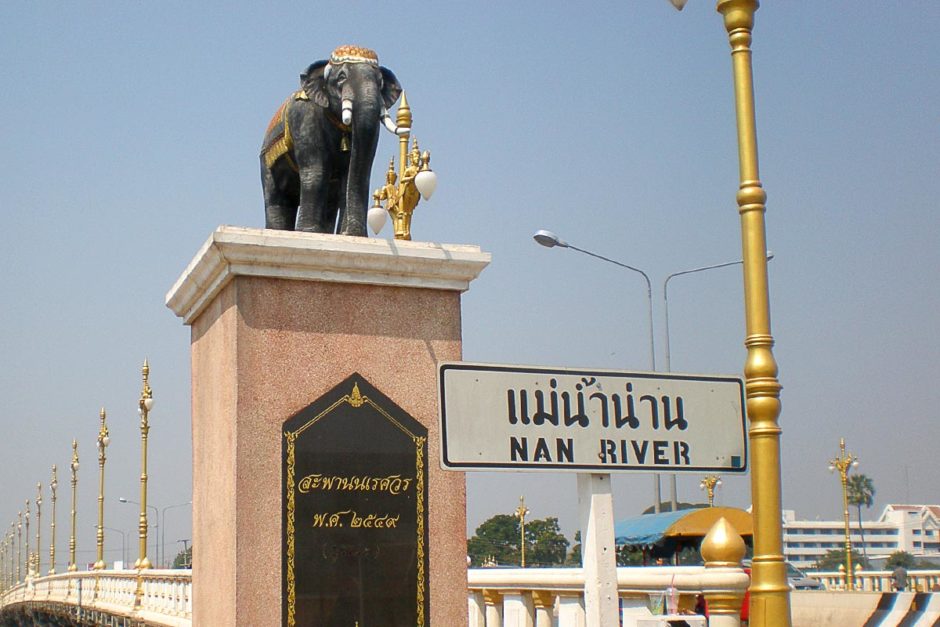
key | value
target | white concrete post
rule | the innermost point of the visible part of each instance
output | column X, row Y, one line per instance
column 476, row 610
column 570, row 611
column 598, row 555
column 544, row 602
column 515, row 613
column 493, row 601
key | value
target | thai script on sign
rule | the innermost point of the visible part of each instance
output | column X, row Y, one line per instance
column 392, row 484
column 617, row 410
column 353, row 519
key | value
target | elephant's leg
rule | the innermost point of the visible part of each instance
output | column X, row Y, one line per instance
column 280, row 211
column 313, row 197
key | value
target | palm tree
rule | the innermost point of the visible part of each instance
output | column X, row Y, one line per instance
column 861, row 491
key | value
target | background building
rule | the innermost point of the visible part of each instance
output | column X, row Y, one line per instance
column 911, row 528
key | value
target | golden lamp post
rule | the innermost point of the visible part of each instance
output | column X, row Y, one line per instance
column 28, row 566
column 709, row 484
column 74, row 467
column 415, row 180
column 144, row 406
column 103, row 440
column 19, row 544
column 769, row 591
column 520, row 513
column 844, row 463
column 38, row 558
column 53, row 486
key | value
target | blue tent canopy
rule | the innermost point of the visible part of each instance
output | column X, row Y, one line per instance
column 682, row 526
column 645, row 530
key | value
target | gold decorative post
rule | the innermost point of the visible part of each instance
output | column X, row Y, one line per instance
column 19, row 544
column 74, row 466
column 843, row 463
column 770, row 593
column 709, row 484
column 38, row 558
column 53, row 485
column 28, row 566
column 521, row 513
column 103, row 440
column 414, row 181
column 143, row 407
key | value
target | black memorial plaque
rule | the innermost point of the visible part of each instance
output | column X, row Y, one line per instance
column 355, row 512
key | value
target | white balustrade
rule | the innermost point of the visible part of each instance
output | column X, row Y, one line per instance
column 536, row 597
column 165, row 599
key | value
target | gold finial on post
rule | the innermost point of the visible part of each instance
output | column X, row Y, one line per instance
column 722, row 550
column 709, row 483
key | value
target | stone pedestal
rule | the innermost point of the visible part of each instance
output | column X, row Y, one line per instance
column 278, row 319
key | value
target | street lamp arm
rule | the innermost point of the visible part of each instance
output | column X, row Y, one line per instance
column 649, row 286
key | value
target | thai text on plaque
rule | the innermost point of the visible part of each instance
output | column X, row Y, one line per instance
column 354, row 517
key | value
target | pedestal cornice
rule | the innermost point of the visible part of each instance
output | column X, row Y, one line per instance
column 233, row 251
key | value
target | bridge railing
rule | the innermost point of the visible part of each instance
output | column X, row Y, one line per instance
column 880, row 580
column 517, row 597
column 165, row 595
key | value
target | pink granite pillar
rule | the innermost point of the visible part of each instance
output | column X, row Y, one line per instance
column 278, row 319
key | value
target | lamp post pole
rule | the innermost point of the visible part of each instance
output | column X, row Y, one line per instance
column 19, row 544
column 550, row 240
column 38, row 559
column 143, row 407
column 72, row 567
column 53, row 486
column 844, row 463
column 163, row 530
column 28, row 566
column 103, row 440
column 521, row 513
column 770, row 593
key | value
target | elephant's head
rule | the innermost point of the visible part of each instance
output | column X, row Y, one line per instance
column 352, row 85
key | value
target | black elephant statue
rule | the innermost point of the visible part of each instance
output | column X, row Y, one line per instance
column 317, row 154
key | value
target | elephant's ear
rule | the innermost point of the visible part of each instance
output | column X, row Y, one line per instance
column 391, row 88
column 312, row 82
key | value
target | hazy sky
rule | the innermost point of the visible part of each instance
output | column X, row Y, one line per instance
column 131, row 130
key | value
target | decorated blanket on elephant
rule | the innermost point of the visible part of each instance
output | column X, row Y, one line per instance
column 277, row 139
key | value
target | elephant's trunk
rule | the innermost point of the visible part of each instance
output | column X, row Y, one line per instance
column 365, row 137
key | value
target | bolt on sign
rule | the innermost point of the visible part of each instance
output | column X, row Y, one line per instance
column 539, row 418
column 355, row 526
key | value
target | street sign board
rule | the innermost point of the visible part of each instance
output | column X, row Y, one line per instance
column 500, row 417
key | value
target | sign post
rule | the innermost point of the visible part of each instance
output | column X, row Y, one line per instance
column 592, row 422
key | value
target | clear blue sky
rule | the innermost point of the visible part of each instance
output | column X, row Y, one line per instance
column 131, row 130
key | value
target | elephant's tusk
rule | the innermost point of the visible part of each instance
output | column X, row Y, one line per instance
column 347, row 111
column 392, row 128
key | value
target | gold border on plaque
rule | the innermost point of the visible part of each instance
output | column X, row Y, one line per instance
column 355, row 400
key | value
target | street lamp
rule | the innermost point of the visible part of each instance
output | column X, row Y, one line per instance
column 104, row 439
column 520, row 513
column 38, row 558
column 844, row 463
column 163, row 530
column 29, row 562
column 415, row 180
column 53, row 485
column 74, row 467
column 144, row 405
column 709, row 483
column 155, row 515
column 550, row 240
